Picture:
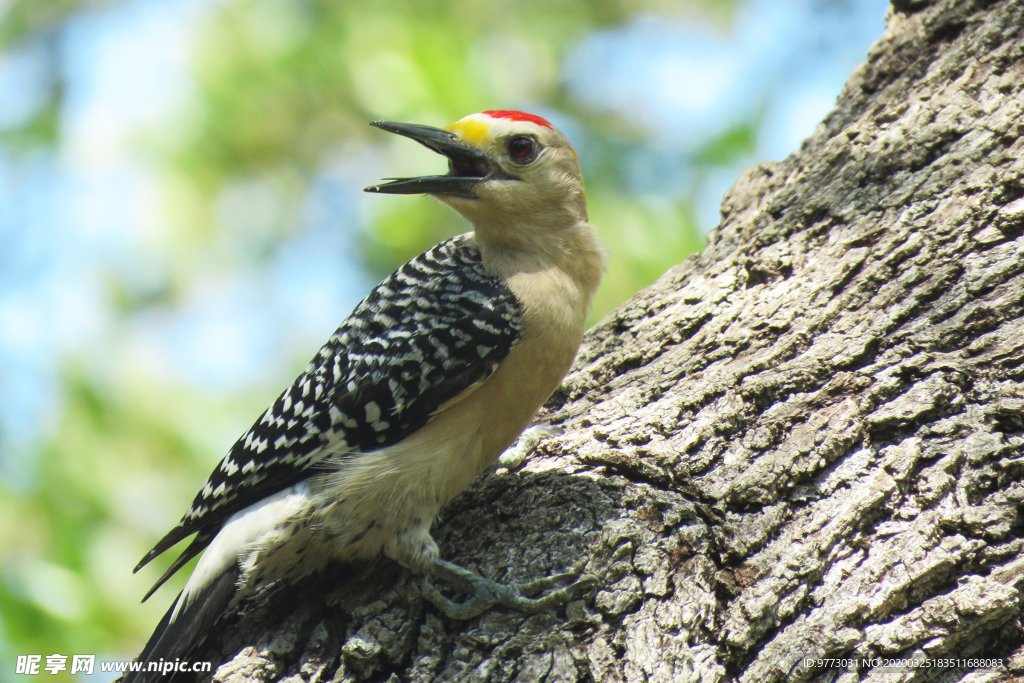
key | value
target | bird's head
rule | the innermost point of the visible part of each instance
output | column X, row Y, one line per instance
column 505, row 168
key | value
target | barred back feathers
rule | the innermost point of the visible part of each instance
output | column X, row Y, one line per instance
column 437, row 326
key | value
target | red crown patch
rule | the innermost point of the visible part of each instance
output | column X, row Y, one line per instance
column 517, row 116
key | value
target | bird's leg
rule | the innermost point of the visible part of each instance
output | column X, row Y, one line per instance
column 486, row 593
column 516, row 454
column 414, row 548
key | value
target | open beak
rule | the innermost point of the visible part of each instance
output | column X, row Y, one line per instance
column 467, row 166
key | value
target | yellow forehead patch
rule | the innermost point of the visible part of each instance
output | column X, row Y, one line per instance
column 472, row 130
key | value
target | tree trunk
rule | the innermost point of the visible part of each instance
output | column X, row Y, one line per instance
column 807, row 442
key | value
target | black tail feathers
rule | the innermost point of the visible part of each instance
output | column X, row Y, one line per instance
column 173, row 640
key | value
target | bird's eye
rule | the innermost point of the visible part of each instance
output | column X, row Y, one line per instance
column 522, row 149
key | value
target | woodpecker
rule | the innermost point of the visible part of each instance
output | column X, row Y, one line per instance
column 433, row 375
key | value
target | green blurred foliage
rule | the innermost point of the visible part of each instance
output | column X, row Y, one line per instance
column 286, row 86
column 124, row 465
column 285, row 90
column 23, row 19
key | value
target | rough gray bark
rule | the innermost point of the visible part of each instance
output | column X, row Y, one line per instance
column 806, row 442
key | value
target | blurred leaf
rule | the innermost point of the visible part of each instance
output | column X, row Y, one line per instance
column 21, row 18
column 42, row 130
column 733, row 144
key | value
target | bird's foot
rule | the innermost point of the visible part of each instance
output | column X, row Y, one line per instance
column 487, row 593
column 516, row 454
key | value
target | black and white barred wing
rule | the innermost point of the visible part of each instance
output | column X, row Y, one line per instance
column 436, row 328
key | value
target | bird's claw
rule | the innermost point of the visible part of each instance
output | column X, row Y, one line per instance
column 487, row 593
column 516, row 454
